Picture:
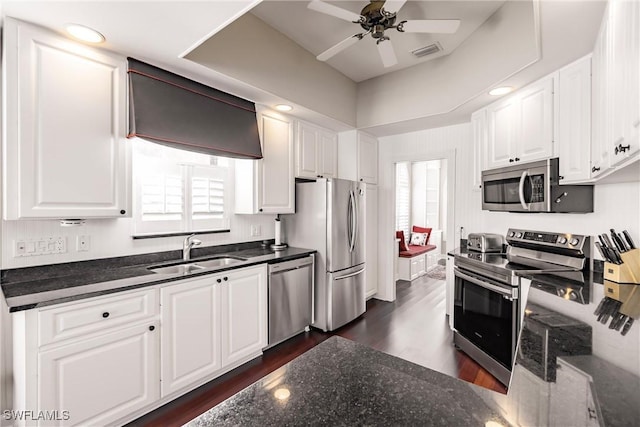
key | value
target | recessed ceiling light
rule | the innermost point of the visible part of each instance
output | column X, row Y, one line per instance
column 503, row 90
column 284, row 107
column 84, row 34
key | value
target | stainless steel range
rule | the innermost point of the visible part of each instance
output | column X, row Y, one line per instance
column 487, row 306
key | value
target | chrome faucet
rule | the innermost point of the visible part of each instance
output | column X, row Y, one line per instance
column 188, row 243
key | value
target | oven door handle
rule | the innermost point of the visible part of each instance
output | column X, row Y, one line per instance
column 511, row 293
column 523, row 202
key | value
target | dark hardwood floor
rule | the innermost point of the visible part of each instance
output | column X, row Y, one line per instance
column 414, row 327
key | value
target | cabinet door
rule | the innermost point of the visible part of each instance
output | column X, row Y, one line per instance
column 101, row 379
column 479, row 128
column 328, row 154
column 574, row 122
column 600, row 149
column 276, row 170
column 503, row 124
column 307, row 147
column 371, row 239
column 190, row 332
column 535, row 138
column 244, row 314
column 66, row 152
column 367, row 158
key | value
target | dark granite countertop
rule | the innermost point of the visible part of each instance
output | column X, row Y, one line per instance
column 343, row 383
column 31, row 287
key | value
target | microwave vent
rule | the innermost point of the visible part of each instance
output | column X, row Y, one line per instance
column 427, row 50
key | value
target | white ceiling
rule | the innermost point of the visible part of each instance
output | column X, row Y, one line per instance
column 317, row 32
column 162, row 32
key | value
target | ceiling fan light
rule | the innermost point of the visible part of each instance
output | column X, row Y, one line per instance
column 502, row 90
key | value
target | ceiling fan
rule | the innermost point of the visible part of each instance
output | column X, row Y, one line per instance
column 375, row 18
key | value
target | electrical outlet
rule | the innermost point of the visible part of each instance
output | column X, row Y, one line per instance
column 83, row 243
column 256, row 230
column 20, row 248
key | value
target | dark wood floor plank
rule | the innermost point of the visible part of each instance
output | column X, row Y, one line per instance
column 413, row 327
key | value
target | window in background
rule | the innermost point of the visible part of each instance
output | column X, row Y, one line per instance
column 179, row 191
column 403, row 198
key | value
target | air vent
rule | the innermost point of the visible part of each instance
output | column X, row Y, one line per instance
column 427, row 50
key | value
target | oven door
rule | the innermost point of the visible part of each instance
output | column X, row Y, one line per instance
column 517, row 189
column 486, row 313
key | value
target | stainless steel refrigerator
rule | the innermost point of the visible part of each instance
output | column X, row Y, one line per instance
column 330, row 219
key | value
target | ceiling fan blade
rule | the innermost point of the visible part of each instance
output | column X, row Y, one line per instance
column 338, row 12
column 387, row 53
column 392, row 6
column 444, row 26
column 333, row 50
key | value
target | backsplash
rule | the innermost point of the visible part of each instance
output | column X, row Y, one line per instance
column 112, row 237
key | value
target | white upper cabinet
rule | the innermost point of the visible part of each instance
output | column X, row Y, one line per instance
column 479, row 128
column 520, row 127
column 268, row 185
column 358, row 157
column 616, row 89
column 66, row 153
column 573, row 97
column 316, row 152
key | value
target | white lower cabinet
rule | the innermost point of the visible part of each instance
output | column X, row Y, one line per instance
column 100, row 379
column 118, row 356
column 244, row 314
column 190, row 332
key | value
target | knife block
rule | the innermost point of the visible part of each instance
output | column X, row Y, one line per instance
column 628, row 271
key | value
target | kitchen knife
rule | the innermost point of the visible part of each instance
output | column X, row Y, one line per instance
column 624, row 242
column 617, row 256
column 627, row 326
column 600, row 306
column 627, row 236
column 602, row 242
column 617, row 321
column 607, row 241
column 602, row 252
column 616, row 240
column 606, row 311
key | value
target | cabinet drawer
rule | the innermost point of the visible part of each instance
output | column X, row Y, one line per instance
column 70, row 320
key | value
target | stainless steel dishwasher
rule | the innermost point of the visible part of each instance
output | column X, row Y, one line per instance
column 290, row 298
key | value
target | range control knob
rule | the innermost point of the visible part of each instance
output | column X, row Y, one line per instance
column 511, row 234
column 562, row 240
column 574, row 241
column 518, row 234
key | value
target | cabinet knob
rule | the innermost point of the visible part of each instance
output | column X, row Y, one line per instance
column 260, row 210
column 152, row 328
column 361, row 179
column 219, row 280
column 622, row 148
column 594, row 169
column 511, row 160
column 105, row 314
column 517, row 159
column 122, row 212
column 560, row 177
column 225, row 278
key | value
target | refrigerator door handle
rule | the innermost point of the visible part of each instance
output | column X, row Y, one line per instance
column 349, row 222
column 352, row 221
column 356, row 221
column 346, row 276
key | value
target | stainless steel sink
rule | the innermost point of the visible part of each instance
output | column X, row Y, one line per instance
column 195, row 266
column 220, row 262
column 178, row 269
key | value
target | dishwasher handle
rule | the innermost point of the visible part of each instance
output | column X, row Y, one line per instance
column 290, row 265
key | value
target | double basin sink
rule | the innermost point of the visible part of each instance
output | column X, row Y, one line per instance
column 190, row 267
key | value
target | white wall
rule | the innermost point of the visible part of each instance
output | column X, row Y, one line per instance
column 112, row 238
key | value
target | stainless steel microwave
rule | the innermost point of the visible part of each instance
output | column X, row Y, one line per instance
column 533, row 187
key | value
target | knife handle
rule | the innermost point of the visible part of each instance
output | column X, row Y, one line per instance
column 627, row 236
column 599, row 309
column 616, row 240
column 605, row 256
column 623, row 242
column 627, row 326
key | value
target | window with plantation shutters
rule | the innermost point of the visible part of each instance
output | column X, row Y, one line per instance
column 403, row 198
column 179, row 191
